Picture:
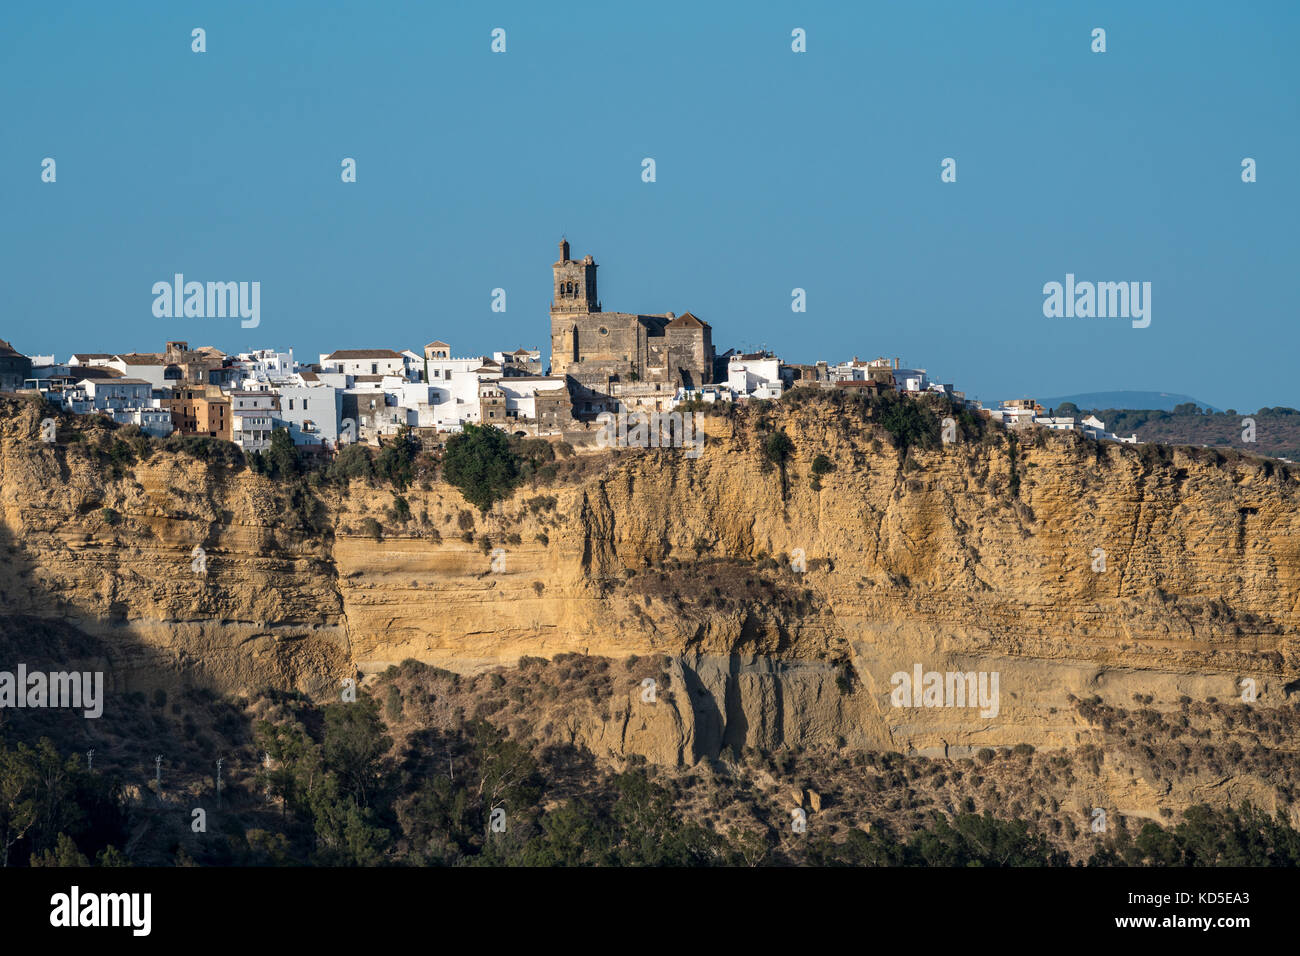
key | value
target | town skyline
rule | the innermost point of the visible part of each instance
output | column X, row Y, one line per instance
column 776, row 170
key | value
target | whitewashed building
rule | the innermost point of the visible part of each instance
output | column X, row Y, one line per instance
column 311, row 413
column 755, row 375
column 364, row 362
column 1057, row 424
column 152, row 421
column 117, row 393
column 252, row 417
column 1094, row 427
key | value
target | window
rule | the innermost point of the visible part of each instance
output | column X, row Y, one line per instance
column 374, row 368
column 291, row 404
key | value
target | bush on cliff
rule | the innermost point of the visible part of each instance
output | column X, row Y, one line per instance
column 352, row 462
column 480, row 463
column 911, row 424
column 396, row 461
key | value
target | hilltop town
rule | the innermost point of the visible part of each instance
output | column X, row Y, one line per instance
column 599, row 362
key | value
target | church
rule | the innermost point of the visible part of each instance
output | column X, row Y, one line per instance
column 621, row 355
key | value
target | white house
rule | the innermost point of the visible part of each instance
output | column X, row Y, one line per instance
column 146, row 367
column 153, row 421
column 252, row 419
column 364, row 362
column 311, row 413
column 128, row 401
column 1056, row 424
column 412, row 365
column 454, row 383
column 1094, row 427
column 444, row 368
column 118, row 393
column 526, row 362
column 854, row 371
column 709, row 394
column 911, row 380
column 755, row 375
column 90, row 358
column 520, row 392
column 266, row 366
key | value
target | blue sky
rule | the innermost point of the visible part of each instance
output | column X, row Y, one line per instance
column 775, row 170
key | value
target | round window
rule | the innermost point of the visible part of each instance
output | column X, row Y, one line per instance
column 604, row 331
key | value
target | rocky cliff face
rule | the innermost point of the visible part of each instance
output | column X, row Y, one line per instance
column 982, row 556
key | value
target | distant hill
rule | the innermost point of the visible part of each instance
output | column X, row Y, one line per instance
column 1276, row 431
column 1157, row 401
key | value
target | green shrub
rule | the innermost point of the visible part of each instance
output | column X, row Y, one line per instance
column 352, row 462
column 396, row 461
column 910, row 424
column 777, row 448
column 479, row 462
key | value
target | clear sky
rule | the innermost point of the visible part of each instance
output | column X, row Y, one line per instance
column 775, row 170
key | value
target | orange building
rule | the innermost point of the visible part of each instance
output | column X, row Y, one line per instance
column 199, row 410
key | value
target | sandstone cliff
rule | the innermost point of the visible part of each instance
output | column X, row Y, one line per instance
column 979, row 556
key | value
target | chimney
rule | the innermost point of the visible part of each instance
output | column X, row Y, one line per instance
column 896, row 361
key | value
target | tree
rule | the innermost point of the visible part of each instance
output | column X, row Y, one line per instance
column 507, row 772
column 777, row 448
column 282, row 458
column 345, row 831
column 111, row 856
column 397, row 457
column 300, row 765
column 354, row 745
column 821, row 465
column 909, row 423
column 479, row 462
column 352, row 462
column 652, row 831
column 572, row 835
column 17, row 796
column 65, row 853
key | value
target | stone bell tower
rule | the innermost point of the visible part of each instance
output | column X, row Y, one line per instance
column 574, row 296
column 575, row 283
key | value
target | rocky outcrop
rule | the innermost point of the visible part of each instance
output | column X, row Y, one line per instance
column 1064, row 566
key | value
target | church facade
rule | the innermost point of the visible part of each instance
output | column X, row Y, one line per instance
column 621, row 353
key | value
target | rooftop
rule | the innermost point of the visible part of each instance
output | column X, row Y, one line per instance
column 363, row 354
column 687, row 320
